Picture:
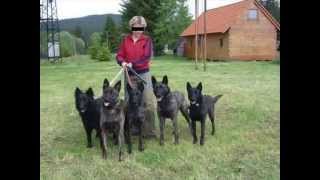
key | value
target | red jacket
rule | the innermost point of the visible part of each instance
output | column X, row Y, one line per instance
column 138, row 53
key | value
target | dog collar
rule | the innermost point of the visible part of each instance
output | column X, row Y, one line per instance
column 107, row 104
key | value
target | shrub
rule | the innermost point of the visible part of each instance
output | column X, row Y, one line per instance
column 94, row 45
column 80, row 45
column 66, row 44
column 104, row 53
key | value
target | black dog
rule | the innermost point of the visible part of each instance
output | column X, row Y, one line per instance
column 89, row 111
column 135, row 114
column 112, row 116
column 168, row 105
column 200, row 106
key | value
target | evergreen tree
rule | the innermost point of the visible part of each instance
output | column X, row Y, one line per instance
column 110, row 35
column 94, row 45
column 174, row 18
column 77, row 32
column 273, row 8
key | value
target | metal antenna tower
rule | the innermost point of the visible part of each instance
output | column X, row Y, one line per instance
column 49, row 24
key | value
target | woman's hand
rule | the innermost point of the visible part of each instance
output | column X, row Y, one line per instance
column 124, row 64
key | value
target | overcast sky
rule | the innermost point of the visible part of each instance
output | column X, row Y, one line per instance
column 79, row 8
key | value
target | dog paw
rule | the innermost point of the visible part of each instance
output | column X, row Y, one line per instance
column 141, row 149
column 176, row 141
column 89, row 146
column 120, row 155
column 201, row 142
column 104, row 156
column 195, row 141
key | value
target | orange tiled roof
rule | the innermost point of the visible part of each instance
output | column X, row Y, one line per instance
column 220, row 19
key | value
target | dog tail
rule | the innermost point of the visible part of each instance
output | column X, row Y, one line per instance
column 216, row 98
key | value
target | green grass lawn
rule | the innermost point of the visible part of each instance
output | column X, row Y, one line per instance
column 246, row 144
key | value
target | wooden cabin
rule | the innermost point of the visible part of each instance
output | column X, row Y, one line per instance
column 240, row 31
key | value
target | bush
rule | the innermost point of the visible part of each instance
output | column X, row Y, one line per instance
column 67, row 44
column 43, row 45
column 276, row 61
column 94, row 45
column 80, row 45
column 93, row 52
column 104, row 53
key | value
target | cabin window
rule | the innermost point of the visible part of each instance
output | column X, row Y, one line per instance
column 253, row 14
column 221, row 42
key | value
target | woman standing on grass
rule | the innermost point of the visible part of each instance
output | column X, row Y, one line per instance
column 136, row 51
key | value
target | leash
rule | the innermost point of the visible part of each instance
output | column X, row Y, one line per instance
column 128, row 77
column 135, row 73
column 116, row 77
column 125, row 69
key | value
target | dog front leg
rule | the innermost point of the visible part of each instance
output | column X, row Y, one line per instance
column 103, row 143
column 115, row 139
column 203, row 123
column 120, row 140
column 141, row 145
column 88, row 132
column 161, row 120
column 128, row 135
column 98, row 133
column 175, row 128
column 194, row 131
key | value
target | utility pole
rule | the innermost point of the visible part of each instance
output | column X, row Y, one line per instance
column 196, row 34
column 205, row 36
column 49, row 23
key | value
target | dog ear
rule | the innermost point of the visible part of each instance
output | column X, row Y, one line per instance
column 90, row 92
column 141, row 86
column 105, row 83
column 118, row 86
column 199, row 86
column 188, row 86
column 154, row 81
column 165, row 80
column 77, row 92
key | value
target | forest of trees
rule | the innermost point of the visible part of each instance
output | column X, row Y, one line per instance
column 273, row 6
